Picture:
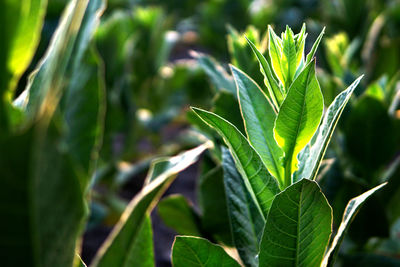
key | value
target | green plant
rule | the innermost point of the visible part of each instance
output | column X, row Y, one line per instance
column 277, row 212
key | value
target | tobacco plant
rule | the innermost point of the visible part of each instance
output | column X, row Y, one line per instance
column 277, row 212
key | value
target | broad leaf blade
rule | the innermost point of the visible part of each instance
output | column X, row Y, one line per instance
column 298, row 117
column 298, row 227
column 21, row 23
column 350, row 212
column 196, row 251
column 118, row 248
column 38, row 176
column 84, row 99
column 311, row 156
column 262, row 186
column 178, row 214
column 272, row 85
column 259, row 117
column 245, row 219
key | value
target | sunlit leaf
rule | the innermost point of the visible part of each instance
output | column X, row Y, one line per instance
column 298, row 117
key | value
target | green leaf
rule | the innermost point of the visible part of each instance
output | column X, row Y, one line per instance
column 259, row 117
column 22, row 23
column 41, row 198
column 245, row 219
column 298, row 227
column 298, row 117
column 217, row 74
column 350, row 212
column 212, row 202
column 48, row 80
column 311, row 156
column 275, row 53
column 142, row 248
column 311, row 54
column 119, row 246
column 84, row 99
column 269, row 80
column 261, row 185
column 195, row 251
column 178, row 214
column 289, row 57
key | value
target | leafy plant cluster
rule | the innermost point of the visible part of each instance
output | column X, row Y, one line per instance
column 108, row 82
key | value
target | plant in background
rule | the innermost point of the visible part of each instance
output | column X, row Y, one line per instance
column 277, row 212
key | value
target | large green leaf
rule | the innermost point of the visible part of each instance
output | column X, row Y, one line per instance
column 350, row 212
column 84, row 99
column 196, row 251
column 298, row 227
column 48, row 80
column 311, row 156
column 20, row 34
column 298, row 117
column 41, row 198
column 245, row 219
column 261, row 185
column 119, row 247
column 21, row 23
column 269, row 80
column 259, row 117
column 178, row 214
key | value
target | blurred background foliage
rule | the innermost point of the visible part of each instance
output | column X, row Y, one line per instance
column 159, row 57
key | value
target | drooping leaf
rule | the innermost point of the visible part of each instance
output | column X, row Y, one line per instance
column 311, row 156
column 118, row 248
column 269, row 80
column 259, row 118
column 298, row 227
column 178, row 214
column 196, row 251
column 350, row 212
column 298, row 117
column 261, row 185
column 245, row 219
